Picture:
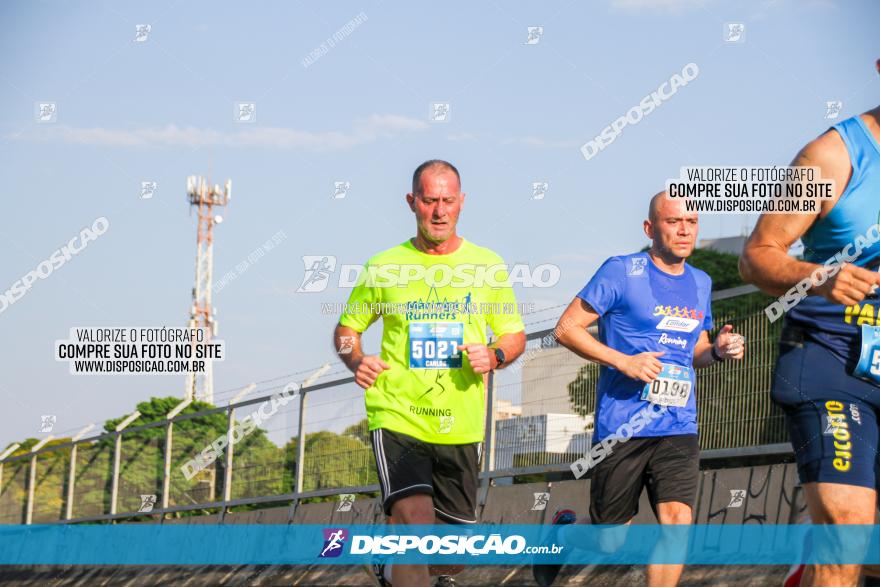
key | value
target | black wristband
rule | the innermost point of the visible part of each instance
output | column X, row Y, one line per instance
column 716, row 356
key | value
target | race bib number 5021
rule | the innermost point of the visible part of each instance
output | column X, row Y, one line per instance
column 434, row 345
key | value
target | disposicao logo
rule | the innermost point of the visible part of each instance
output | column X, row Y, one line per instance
column 334, row 540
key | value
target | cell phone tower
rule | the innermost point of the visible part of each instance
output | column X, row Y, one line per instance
column 203, row 196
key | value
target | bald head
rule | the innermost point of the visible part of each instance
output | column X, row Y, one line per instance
column 654, row 206
column 670, row 226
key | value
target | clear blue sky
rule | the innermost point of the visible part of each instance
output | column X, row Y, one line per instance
column 163, row 109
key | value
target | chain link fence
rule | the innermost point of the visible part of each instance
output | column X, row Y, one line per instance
column 316, row 445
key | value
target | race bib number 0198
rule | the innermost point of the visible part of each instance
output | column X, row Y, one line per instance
column 671, row 388
column 868, row 366
column 434, row 345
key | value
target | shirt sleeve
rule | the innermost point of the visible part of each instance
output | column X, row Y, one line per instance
column 507, row 319
column 708, row 323
column 605, row 290
column 363, row 303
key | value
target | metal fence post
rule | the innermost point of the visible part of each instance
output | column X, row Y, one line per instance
column 227, row 473
column 114, row 483
column 301, row 442
column 489, row 449
column 71, row 480
column 32, row 480
column 68, row 507
column 166, row 470
column 117, row 455
column 489, row 439
column 11, row 449
column 230, row 442
column 169, row 433
column 32, row 475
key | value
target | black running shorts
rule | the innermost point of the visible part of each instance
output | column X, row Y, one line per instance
column 667, row 465
column 448, row 472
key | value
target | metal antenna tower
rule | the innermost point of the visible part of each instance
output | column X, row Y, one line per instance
column 204, row 197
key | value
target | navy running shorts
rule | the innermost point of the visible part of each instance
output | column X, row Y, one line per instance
column 831, row 415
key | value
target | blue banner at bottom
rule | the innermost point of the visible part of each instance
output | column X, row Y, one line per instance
column 482, row 544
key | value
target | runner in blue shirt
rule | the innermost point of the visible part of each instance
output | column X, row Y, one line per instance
column 654, row 314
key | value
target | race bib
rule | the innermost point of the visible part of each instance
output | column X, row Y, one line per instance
column 868, row 366
column 434, row 345
column 671, row 388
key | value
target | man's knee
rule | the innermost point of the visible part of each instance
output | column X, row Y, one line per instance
column 818, row 575
column 674, row 513
column 840, row 504
column 414, row 509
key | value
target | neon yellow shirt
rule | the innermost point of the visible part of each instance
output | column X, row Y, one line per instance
column 430, row 304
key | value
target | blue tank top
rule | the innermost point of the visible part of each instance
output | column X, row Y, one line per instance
column 837, row 326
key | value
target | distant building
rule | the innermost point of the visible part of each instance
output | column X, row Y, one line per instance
column 546, row 373
column 504, row 410
column 536, row 440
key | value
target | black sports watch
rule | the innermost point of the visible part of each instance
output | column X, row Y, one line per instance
column 499, row 356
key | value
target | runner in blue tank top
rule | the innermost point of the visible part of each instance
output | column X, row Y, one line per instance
column 654, row 314
column 827, row 377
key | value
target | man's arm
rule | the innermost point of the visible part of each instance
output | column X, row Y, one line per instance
column 347, row 343
column 512, row 344
column 571, row 331
column 765, row 260
column 366, row 368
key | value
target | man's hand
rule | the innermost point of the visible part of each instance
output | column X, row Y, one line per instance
column 730, row 345
column 644, row 366
column 849, row 285
column 368, row 368
column 478, row 356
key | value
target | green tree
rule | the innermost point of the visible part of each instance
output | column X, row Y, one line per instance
column 333, row 460
column 361, row 431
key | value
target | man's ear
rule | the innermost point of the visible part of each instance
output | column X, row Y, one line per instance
column 411, row 200
column 649, row 229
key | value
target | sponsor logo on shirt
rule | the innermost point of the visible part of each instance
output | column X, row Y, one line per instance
column 675, row 340
column 677, row 324
column 678, row 312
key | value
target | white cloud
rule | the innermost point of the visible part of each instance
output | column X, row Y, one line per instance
column 364, row 131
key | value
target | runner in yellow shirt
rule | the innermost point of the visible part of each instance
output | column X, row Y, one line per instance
column 425, row 400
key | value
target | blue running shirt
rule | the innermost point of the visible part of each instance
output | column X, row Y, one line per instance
column 642, row 309
column 835, row 326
